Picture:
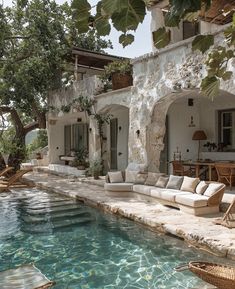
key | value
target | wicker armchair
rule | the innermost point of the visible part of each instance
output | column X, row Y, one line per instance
column 179, row 169
column 226, row 173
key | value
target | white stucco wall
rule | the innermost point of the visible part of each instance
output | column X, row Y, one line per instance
column 204, row 112
column 180, row 133
column 56, row 135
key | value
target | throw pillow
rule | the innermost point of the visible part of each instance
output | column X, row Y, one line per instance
column 130, row 176
column 201, row 187
column 162, row 182
column 212, row 189
column 152, row 178
column 115, row 177
column 141, row 178
column 174, row 182
column 189, row 184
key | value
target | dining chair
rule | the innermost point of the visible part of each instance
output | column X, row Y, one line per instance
column 180, row 170
column 226, row 173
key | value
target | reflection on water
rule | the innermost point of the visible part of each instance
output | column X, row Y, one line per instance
column 80, row 247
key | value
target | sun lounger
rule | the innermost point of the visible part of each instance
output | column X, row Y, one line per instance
column 228, row 219
column 14, row 181
column 5, row 171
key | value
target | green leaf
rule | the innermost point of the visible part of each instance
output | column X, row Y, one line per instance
column 210, row 87
column 130, row 17
column 111, row 6
column 171, row 20
column 227, row 75
column 192, row 16
column 202, row 42
column 81, row 13
column 161, row 38
column 230, row 35
column 103, row 27
column 126, row 39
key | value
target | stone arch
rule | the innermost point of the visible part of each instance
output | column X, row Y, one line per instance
column 155, row 131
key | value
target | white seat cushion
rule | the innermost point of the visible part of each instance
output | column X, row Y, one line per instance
column 167, row 194
column 192, row 200
column 118, row 187
column 143, row 189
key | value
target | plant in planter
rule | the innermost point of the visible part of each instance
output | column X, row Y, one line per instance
column 95, row 168
column 120, row 71
column 81, row 156
column 210, row 146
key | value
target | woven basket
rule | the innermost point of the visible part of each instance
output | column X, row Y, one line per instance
column 121, row 80
column 218, row 275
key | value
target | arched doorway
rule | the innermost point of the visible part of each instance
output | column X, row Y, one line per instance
column 115, row 139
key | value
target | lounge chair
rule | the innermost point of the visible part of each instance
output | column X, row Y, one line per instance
column 228, row 219
column 14, row 181
column 5, row 171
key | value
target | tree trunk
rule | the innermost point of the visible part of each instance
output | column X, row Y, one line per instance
column 2, row 162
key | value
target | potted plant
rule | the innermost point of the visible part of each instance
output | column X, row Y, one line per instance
column 210, row 146
column 80, row 161
column 120, row 71
column 95, row 168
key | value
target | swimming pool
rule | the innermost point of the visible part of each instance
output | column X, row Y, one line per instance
column 80, row 247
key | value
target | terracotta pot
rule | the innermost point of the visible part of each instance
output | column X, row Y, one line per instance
column 121, row 80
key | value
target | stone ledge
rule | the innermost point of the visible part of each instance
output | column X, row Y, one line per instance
column 199, row 232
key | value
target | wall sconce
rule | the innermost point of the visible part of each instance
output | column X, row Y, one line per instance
column 138, row 133
column 191, row 124
column 90, row 129
column 119, row 128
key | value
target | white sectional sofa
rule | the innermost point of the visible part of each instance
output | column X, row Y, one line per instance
column 188, row 194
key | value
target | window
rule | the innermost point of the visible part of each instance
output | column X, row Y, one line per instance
column 75, row 137
column 190, row 29
column 227, row 128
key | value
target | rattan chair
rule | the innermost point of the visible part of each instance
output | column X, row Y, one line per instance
column 180, row 170
column 226, row 173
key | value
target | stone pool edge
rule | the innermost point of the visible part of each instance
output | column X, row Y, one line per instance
column 112, row 204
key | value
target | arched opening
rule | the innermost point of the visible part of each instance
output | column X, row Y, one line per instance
column 115, row 137
column 176, row 117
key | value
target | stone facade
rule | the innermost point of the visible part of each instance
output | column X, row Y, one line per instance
column 160, row 78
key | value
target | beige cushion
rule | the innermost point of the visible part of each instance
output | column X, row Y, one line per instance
column 174, row 182
column 141, row 178
column 212, row 189
column 143, row 189
column 189, row 184
column 130, row 176
column 192, row 200
column 118, row 187
column 166, row 194
column 201, row 187
column 152, row 178
column 162, row 182
column 115, row 177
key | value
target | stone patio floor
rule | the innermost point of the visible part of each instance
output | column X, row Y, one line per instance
column 197, row 231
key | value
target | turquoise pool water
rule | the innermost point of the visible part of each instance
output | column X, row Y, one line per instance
column 80, row 247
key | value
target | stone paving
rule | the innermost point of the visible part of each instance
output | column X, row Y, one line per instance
column 197, row 231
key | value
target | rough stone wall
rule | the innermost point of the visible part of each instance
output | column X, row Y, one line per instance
column 159, row 79
column 86, row 87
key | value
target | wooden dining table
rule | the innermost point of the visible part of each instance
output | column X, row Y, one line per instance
column 209, row 165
